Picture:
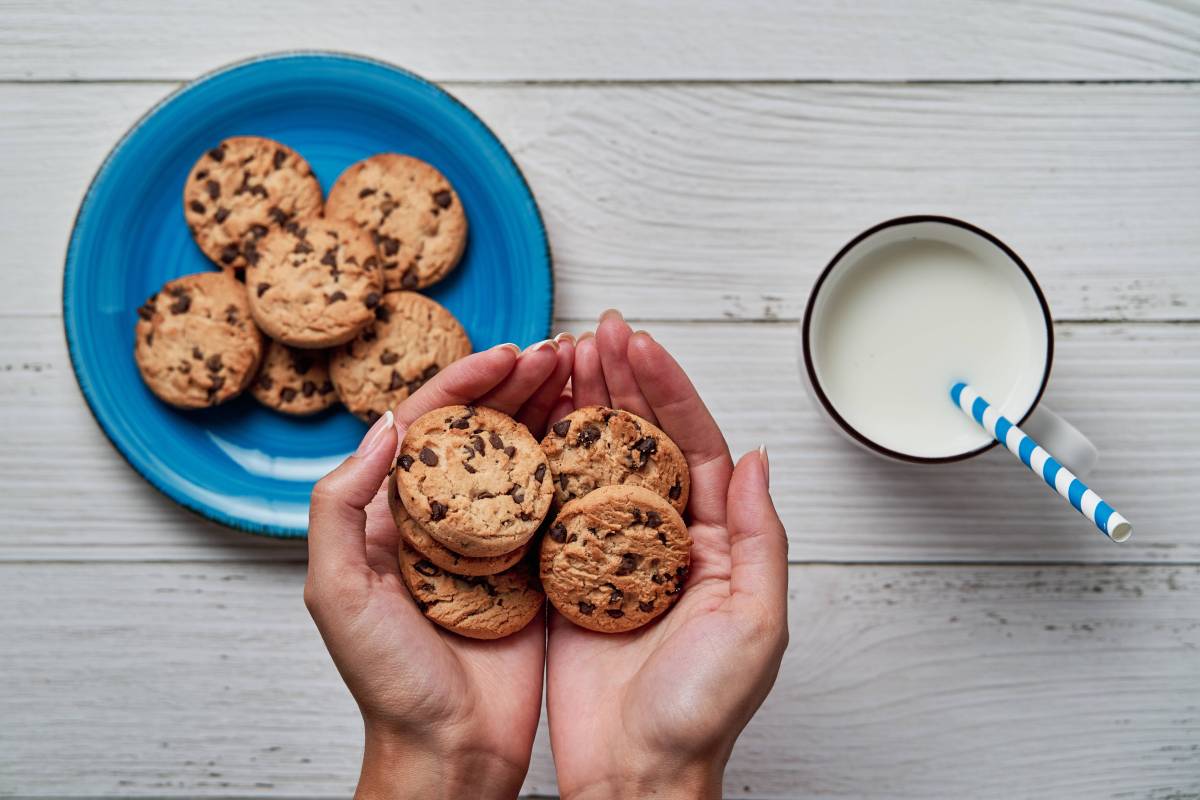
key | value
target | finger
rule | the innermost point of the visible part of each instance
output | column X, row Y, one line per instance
column 587, row 378
column 336, row 516
column 534, row 413
column 758, row 544
column 462, row 382
column 533, row 367
column 683, row 416
column 612, row 340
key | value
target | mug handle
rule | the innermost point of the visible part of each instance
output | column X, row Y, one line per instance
column 1064, row 441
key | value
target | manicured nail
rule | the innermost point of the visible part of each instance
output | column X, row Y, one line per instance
column 564, row 337
column 766, row 464
column 611, row 312
column 516, row 350
column 375, row 435
column 544, row 344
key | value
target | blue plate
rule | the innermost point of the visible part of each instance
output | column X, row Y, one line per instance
column 241, row 464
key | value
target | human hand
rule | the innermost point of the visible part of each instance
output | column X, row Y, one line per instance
column 656, row 711
column 445, row 716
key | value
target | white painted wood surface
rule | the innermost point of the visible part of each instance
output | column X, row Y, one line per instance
column 955, row 633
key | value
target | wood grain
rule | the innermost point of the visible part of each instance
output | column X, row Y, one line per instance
column 68, row 495
column 481, row 40
column 900, row 682
column 724, row 202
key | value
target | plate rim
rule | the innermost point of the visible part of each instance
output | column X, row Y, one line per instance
column 181, row 499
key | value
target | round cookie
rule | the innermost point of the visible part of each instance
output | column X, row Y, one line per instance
column 195, row 342
column 475, row 479
column 418, row 539
column 482, row 606
column 615, row 559
column 597, row 446
column 411, row 210
column 294, row 381
column 242, row 189
column 411, row 339
column 316, row 283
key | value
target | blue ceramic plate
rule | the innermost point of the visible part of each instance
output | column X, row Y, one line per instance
column 241, row 464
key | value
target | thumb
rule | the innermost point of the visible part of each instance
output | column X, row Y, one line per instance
column 757, row 540
column 336, row 516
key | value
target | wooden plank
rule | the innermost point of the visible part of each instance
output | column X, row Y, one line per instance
column 68, row 495
column 478, row 40
column 900, row 682
column 724, row 202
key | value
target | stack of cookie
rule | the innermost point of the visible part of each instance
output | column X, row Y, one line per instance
column 331, row 283
column 469, row 491
column 471, row 488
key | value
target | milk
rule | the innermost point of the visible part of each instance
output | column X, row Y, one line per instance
column 899, row 321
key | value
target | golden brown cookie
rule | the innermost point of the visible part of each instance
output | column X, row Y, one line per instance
column 475, row 479
column 411, row 339
column 294, row 381
column 315, row 283
column 615, row 559
column 481, row 606
column 597, row 446
column 411, row 211
column 195, row 343
column 240, row 190
column 420, row 540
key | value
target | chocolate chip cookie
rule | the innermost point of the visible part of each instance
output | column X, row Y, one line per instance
column 412, row 212
column 240, row 190
column 195, row 342
column 597, row 446
column 315, row 283
column 294, row 381
column 475, row 479
column 615, row 559
column 442, row 556
column 481, row 606
column 411, row 339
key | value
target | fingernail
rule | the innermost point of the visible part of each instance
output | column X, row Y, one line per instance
column 516, row 350
column 611, row 312
column 586, row 335
column 375, row 435
column 766, row 464
column 564, row 337
column 640, row 332
column 542, row 345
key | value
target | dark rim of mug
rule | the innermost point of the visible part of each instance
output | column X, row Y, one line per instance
column 805, row 336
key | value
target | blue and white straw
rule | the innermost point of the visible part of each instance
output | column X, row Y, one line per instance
column 1034, row 456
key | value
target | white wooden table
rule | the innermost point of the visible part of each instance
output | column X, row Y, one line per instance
column 955, row 632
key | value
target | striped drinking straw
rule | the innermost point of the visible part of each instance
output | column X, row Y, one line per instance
column 1034, row 456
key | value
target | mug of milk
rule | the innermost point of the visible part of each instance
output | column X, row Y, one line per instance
column 912, row 306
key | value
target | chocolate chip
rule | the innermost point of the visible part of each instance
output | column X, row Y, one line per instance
column 382, row 314
column 616, row 596
column 437, row 511
column 563, row 480
column 426, row 586
column 218, row 381
column 326, row 388
column 646, row 447
column 250, row 253
column 388, row 357
column 308, row 388
column 302, row 247
column 429, row 372
column 470, row 469
column 265, row 382
column 477, row 443
column 278, row 159
column 258, row 231
column 442, row 198
column 228, row 253
column 370, row 263
column 389, row 245
column 288, row 394
column 428, row 457
column 539, row 473
column 259, row 190
column 330, row 257
column 197, row 354
column 146, row 311
column 586, row 608
column 185, row 367
column 662, row 537
column 637, row 515
column 615, row 613
column 214, row 189
column 239, row 274
column 462, row 423
column 496, row 441
column 561, row 427
column 371, row 300
column 201, row 174
column 675, row 491
column 645, row 605
column 510, row 451
column 221, row 215
column 396, row 383
column 421, row 604
column 335, row 297
column 588, row 436
column 214, row 363
column 217, row 153
column 368, row 335
column 181, row 304
column 629, row 562
column 366, row 193
column 558, row 532
column 425, row 568
column 656, row 578
column 405, row 461
column 518, row 494
column 262, row 287
column 653, row 520
column 277, row 214
column 196, row 206
column 409, row 280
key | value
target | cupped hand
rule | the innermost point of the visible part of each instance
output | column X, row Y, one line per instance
column 656, row 711
column 445, row 716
